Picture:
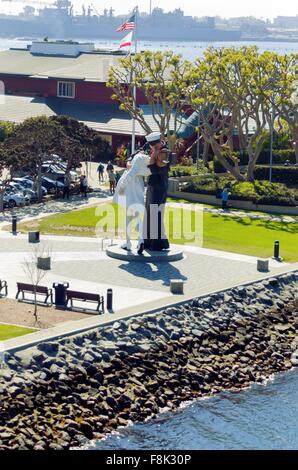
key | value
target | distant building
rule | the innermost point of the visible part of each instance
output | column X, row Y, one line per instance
column 286, row 22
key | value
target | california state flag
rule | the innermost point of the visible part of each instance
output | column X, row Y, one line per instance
column 127, row 41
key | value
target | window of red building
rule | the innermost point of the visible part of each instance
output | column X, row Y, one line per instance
column 66, row 90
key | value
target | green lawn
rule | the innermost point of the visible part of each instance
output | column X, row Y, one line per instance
column 11, row 331
column 234, row 234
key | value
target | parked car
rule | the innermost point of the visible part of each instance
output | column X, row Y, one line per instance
column 52, row 171
column 12, row 199
column 28, row 183
column 29, row 194
column 52, row 185
column 57, row 169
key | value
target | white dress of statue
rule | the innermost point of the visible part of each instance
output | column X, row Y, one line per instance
column 130, row 195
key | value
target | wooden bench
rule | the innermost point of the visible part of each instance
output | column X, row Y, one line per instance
column 31, row 289
column 3, row 287
column 72, row 295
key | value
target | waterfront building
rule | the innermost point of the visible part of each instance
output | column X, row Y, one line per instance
column 65, row 78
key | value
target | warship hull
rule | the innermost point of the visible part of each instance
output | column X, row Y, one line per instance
column 69, row 29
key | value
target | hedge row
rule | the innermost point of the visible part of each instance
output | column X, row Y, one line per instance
column 280, row 174
column 259, row 192
column 191, row 170
column 279, row 157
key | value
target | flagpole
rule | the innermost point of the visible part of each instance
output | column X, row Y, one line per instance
column 133, row 138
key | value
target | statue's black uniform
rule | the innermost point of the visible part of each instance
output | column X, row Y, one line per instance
column 157, row 190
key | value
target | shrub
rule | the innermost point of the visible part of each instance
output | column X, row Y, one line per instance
column 281, row 174
column 180, row 170
column 279, row 157
column 218, row 168
column 186, row 161
column 259, row 192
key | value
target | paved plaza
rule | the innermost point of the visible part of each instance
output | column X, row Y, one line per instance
column 82, row 263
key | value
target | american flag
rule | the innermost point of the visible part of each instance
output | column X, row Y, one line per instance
column 128, row 25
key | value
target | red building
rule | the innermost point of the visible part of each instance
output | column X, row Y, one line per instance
column 65, row 78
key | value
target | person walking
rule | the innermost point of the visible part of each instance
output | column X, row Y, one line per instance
column 100, row 170
column 225, row 199
column 83, row 186
column 110, row 167
column 66, row 187
column 112, row 181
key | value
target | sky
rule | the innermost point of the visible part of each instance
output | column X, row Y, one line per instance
column 224, row 8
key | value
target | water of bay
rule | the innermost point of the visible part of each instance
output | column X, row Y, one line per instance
column 262, row 417
column 189, row 50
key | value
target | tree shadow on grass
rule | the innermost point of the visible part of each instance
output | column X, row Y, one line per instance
column 226, row 218
column 288, row 227
column 164, row 271
column 279, row 226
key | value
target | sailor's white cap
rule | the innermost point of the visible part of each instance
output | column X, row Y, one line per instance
column 153, row 137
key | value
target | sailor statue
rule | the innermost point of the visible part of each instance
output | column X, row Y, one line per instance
column 130, row 195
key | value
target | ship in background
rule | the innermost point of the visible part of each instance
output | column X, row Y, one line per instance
column 57, row 20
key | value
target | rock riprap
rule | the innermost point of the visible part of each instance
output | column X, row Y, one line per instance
column 85, row 386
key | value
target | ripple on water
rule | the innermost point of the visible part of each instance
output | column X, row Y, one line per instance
column 263, row 417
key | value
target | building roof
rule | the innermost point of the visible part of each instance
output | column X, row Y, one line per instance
column 86, row 66
column 106, row 118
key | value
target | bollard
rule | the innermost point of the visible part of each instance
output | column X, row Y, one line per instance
column 14, row 224
column 276, row 250
column 177, row 286
column 110, row 299
column 263, row 265
column 276, row 256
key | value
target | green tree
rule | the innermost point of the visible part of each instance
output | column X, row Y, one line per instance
column 92, row 146
column 6, row 129
column 33, row 141
column 231, row 90
column 159, row 78
column 285, row 98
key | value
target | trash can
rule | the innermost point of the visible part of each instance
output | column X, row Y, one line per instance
column 60, row 294
column 33, row 237
column 110, row 299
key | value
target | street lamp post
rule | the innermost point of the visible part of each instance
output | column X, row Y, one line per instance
column 271, row 141
column 198, row 146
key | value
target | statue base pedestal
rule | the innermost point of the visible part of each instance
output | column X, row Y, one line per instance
column 116, row 252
